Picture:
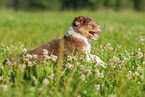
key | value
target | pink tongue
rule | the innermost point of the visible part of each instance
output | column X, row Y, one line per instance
column 95, row 36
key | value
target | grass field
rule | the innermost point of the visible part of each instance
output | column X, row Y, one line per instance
column 121, row 45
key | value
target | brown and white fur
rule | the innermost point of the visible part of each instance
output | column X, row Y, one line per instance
column 75, row 41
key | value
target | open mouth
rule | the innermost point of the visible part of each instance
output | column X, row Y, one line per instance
column 94, row 35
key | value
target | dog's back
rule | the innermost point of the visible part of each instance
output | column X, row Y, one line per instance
column 70, row 45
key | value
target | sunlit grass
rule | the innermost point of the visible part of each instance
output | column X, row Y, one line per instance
column 120, row 45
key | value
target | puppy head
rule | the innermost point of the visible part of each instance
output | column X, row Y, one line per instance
column 85, row 25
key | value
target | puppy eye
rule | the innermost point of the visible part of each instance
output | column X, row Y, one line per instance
column 90, row 24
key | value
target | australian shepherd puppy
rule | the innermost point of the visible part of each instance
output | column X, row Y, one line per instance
column 75, row 41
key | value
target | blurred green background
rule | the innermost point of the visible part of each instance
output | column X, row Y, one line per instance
column 29, row 5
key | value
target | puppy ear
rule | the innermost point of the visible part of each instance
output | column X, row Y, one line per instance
column 78, row 21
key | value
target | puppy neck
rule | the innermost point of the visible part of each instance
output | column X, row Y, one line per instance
column 71, row 32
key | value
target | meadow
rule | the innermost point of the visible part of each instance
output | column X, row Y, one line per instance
column 121, row 45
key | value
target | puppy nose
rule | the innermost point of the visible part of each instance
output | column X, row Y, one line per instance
column 100, row 27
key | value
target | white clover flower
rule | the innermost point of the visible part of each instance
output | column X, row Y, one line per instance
column 22, row 45
column 45, row 52
column 51, row 93
column 82, row 66
column 1, row 67
column 74, row 57
column 17, row 49
column 50, row 77
column 96, row 92
column 89, row 67
column 140, row 69
column 25, row 58
column 97, row 71
column 138, row 50
column 141, row 77
column 82, row 77
column 108, row 44
column 53, row 74
column 114, row 66
column 133, row 74
column 30, row 63
column 29, row 56
column 101, row 46
column 89, row 71
column 130, row 74
column 15, row 63
column 1, row 78
column 9, row 63
column 119, row 67
column 5, row 88
column 102, row 64
column 118, row 46
column 24, row 50
column 68, row 65
column 32, row 89
column 125, row 51
column 133, row 67
column 85, row 92
column 136, row 73
column 102, row 85
column 82, row 58
column 45, row 82
column 113, row 95
column 45, row 62
column 79, row 96
column 127, row 76
column 101, row 75
column 40, row 89
column 96, row 65
column 140, row 55
column 102, row 50
column 69, row 58
column 12, row 46
column 115, row 59
column 111, row 86
column 7, row 48
column 111, row 48
column 53, row 58
column 11, row 83
column 143, row 63
column 35, row 80
column 97, row 87
column 132, row 53
column 9, row 73
column 23, row 66
column 46, row 57
column 3, row 45
column 141, row 40
column 34, row 56
column 126, row 59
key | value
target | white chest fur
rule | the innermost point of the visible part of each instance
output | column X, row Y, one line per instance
column 71, row 32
